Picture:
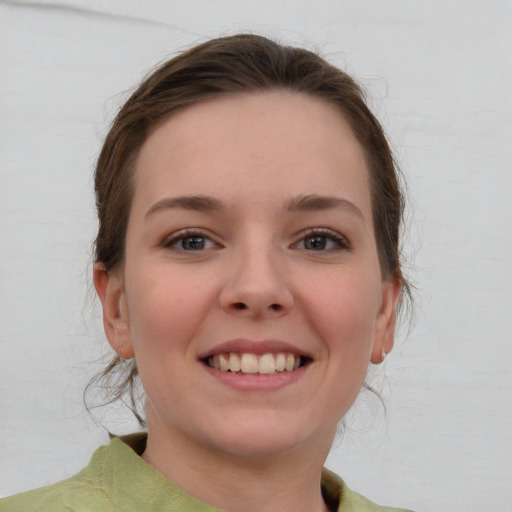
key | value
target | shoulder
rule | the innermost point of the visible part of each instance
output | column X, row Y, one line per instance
column 116, row 479
column 73, row 495
column 66, row 496
column 84, row 492
column 359, row 503
column 338, row 495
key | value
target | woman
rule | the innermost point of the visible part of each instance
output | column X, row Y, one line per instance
column 247, row 265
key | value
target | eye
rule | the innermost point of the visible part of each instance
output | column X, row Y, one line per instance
column 322, row 240
column 190, row 240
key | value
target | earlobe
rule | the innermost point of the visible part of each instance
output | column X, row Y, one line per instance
column 110, row 289
column 384, row 334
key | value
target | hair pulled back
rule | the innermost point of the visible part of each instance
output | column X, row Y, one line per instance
column 225, row 66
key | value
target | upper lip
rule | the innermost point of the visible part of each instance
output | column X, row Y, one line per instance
column 254, row 347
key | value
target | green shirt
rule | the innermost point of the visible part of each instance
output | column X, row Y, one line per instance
column 117, row 479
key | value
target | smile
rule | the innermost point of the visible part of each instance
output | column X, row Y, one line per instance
column 249, row 363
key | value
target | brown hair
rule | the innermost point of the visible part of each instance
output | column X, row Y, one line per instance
column 225, row 66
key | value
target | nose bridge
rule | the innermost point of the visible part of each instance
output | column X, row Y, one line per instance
column 257, row 277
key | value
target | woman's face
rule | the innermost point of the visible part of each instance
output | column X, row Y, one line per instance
column 250, row 245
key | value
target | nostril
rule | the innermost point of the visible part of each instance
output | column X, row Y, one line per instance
column 242, row 306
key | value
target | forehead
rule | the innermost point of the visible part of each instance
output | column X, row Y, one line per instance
column 270, row 143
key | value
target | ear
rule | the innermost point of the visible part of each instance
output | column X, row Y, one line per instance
column 110, row 289
column 385, row 322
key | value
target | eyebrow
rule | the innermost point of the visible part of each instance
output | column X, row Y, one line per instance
column 197, row 203
column 302, row 203
column 314, row 202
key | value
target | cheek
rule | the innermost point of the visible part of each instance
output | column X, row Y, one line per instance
column 165, row 310
column 343, row 320
column 165, row 313
column 343, row 312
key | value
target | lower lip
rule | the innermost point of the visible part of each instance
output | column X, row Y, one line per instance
column 257, row 382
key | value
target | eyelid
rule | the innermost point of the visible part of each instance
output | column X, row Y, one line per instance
column 342, row 242
column 170, row 240
column 331, row 234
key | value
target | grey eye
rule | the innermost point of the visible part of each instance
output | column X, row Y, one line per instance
column 316, row 243
column 193, row 243
column 190, row 242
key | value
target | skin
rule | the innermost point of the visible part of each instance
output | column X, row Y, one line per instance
column 260, row 273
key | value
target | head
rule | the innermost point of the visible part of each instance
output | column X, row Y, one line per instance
column 230, row 67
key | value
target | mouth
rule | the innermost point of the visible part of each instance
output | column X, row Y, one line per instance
column 247, row 363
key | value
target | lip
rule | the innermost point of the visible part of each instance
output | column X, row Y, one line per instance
column 257, row 382
column 254, row 347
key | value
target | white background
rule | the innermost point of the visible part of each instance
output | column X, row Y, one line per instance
column 440, row 77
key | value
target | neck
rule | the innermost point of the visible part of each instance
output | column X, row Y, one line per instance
column 285, row 481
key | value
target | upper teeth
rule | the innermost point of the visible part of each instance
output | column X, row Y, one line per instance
column 252, row 363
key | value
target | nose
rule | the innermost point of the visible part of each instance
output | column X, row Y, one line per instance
column 256, row 285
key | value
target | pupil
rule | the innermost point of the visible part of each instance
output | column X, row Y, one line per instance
column 193, row 242
column 316, row 242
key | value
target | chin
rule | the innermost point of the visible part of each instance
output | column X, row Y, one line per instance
column 263, row 440
column 258, row 448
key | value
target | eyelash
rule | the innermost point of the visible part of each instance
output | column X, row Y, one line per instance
column 184, row 234
column 322, row 233
column 341, row 242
